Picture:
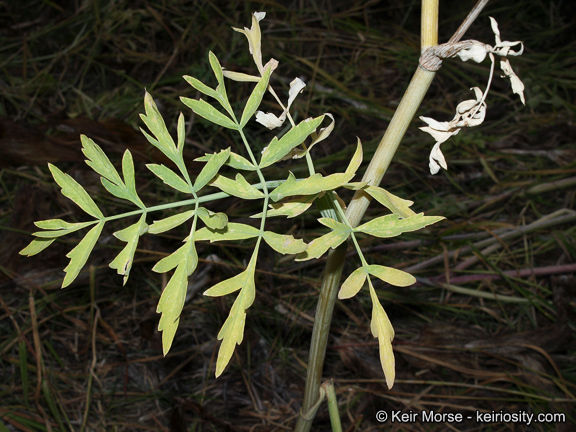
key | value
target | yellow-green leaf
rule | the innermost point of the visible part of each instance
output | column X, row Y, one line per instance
column 123, row 261
column 290, row 208
column 71, row 189
column 309, row 186
column 391, row 225
column 169, row 177
column 170, row 306
column 231, row 334
column 181, row 133
column 129, row 178
column 79, row 255
column 221, row 88
column 319, row 246
column 232, row 331
column 284, row 243
column 155, row 123
column 396, row 205
column 98, row 161
column 256, row 97
column 201, row 87
column 232, row 231
column 36, row 246
column 173, row 297
column 227, row 286
column 278, row 148
column 356, row 159
column 239, row 188
column 239, row 76
column 174, row 259
column 207, row 111
column 383, row 330
column 353, row 284
column 391, row 275
column 322, row 134
column 170, row 222
column 235, row 161
column 59, row 227
column 211, row 169
column 214, row 221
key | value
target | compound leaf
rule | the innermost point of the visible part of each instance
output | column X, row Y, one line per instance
column 79, row 255
column 278, row 148
column 72, row 190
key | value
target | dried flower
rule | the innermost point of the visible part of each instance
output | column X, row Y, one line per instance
column 270, row 120
column 472, row 112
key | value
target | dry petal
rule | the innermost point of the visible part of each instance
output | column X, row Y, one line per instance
column 437, row 159
column 477, row 52
column 517, row 84
column 270, row 120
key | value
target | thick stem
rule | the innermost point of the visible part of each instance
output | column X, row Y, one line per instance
column 326, row 301
column 335, row 263
column 376, row 169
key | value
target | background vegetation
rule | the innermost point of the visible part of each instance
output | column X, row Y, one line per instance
column 489, row 326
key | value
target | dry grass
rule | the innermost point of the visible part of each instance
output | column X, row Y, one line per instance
column 490, row 324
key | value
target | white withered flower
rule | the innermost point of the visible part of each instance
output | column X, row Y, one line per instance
column 270, row 120
column 468, row 113
column 472, row 112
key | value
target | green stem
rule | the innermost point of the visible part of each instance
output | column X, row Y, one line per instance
column 335, row 263
column 206, row 198
column 374, row 173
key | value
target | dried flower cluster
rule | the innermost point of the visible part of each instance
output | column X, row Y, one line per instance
column 472, row 112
